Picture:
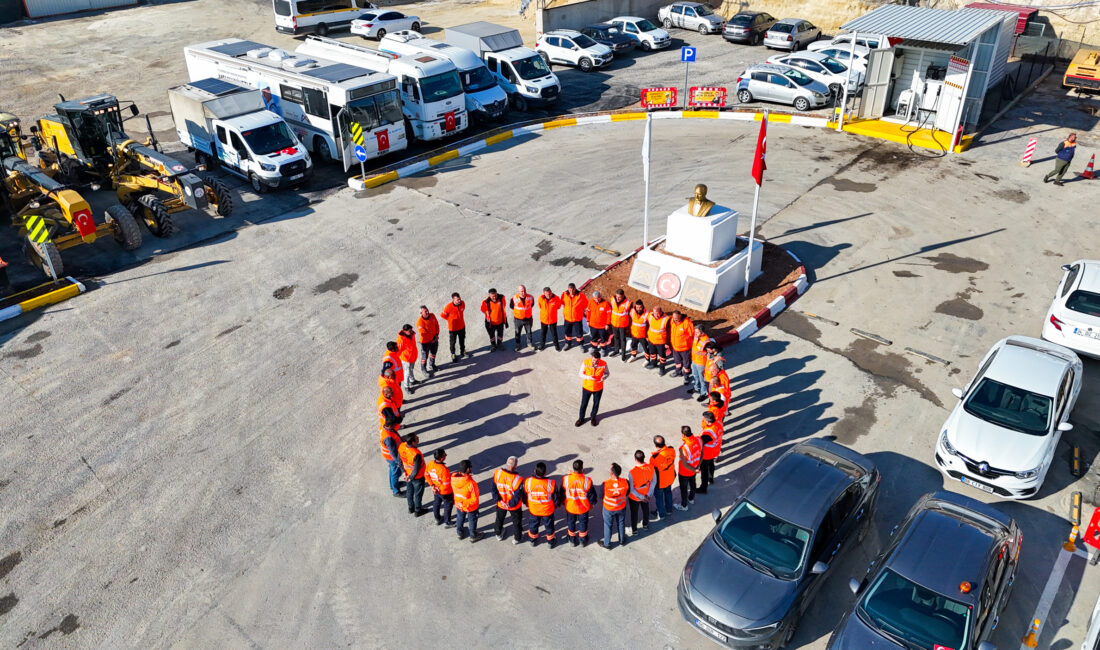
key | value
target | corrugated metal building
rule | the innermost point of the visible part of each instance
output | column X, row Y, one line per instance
column 44, row 8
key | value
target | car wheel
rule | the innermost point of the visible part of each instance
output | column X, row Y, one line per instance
column 646, row 46
column 322, row 29
column 416, row 27
column 585, row 64
column 381, row 33
column 320, row 150
column 801, row 104
column 667, row 23
column 757, row 39
column 703, row 29
column 545, row 59
column 519, row 102
column 258, row 186
column 744, row 96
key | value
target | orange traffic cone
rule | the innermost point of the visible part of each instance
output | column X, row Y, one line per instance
column 1030, row 640
column 1088, row 169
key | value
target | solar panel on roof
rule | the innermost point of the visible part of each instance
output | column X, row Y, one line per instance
column 337, row 72
column 216, row 87
column 236, row 49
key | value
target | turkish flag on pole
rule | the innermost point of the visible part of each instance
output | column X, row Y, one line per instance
column 758, row 165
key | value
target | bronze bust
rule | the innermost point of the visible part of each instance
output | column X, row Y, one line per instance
column 699, row 205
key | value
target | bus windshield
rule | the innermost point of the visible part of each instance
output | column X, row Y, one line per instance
column 438, row 87
column 377, row 110
column 269, row 139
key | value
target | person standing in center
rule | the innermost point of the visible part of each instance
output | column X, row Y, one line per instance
column 406, row 348
column 573, row 305
column 549, row 304
column 663, row 461
column 579, row 495
column 467, row 496
column 681, row 334
column 615, row 490
column 657, row 349
column 522, row 304
column 699, row 364
column 691, row 451
column 620, row 323
column 638, row 324
column 1063, row 157
column 495, row 322
column 427, row 325
column 439, row 477
column 711, row 435
column 642, row 486
column 599, row 321
column 508, row 494
column 413, row 462
column 594, row 371
column 456, row 325
column 542, row 496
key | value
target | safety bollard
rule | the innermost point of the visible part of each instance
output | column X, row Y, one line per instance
column 1029, row 151
column 1031, row 639
column 1069, row 545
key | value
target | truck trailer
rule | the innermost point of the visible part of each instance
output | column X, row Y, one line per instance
column 519, row 70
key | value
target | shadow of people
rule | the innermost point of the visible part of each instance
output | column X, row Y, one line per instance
column 477, row 383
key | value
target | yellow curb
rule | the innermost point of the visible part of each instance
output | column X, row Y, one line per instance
column 381, row 179
column 500, row 137
column 443, row 157
column 712, row 115
column 626, row 117
column 555, row 124
column 50, row 298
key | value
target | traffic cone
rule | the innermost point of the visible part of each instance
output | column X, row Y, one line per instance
column 1069, row 545
column 1030, row 640
column 1088, row 169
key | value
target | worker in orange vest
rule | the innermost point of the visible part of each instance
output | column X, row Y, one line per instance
column 720, row 383
column 406, row 348
column 390, row 442
column 642, row 486
column 388, row 379
column 523, row 306
column 573, row 305
column 427, row 325
column 413, row 463
column 715, row 361
column 594, row 372
column 542, row 496
column 495, row 322
column 657, row 349
column 717, row 406
column 711, row 438
column 615, row 492
column 391, row 358
column 508, row 495
column 639, row 320
column 691, row 451
column 456, row 325
column 579, row 495
column 620, row 324
column 439, row 477
column 681, row 333
column 549, row 304
column 663, row 462
column 698, row 364
column 467, row 497
column 389, row 413
column 599, row 321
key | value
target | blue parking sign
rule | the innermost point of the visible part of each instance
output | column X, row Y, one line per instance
column 687, row 54
column 360, row 153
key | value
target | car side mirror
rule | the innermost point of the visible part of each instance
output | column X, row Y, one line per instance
column 1064, row 426
column 853, row 584
column 1065, row 267
column 717, row 514
column 34, row 129
column 134, row 109
column 818, row 568
column 957, row 392
column 986, row 645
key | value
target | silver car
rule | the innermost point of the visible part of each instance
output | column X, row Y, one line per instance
column 691, row 15
column 782, row 84
column 791, row 34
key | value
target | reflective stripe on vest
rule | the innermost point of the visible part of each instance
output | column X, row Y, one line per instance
column 398, row 369
column 698, row 354
column 690, row 450
column 382, row 435
column 522, row 306
column 594, row 374
column 620, row 313
column 638, row 324
column 657, row 334
column 642, row 475
column 465, row 491
column 408, row 458
column 614, row 493
column 382, row 404
column 540, row 496
column 712, row 449
column 576, row 493
column 507, row 484
column 712, row 367
column 439, row 477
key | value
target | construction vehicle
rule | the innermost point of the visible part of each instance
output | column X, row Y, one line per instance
column 1083, row 72
column 51, row 215
column 85, row 139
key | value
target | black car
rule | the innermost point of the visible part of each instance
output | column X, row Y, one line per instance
column 609, row 36
column 756, row 572
column 748, row 27
column 941, row 581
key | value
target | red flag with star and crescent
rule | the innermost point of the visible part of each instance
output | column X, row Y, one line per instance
column 758, row 165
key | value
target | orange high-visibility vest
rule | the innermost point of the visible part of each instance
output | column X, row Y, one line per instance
column 382, row 435
column 406, row 348
column 576, row 493
column 466, row 493
column 398, row 394
column 698, row 354
column 642, row 475
column 594, row 370
column 657, row 334
column 599, row 314
column 522, row 306
column 620, row 313
column 540, row 496
column 395, row 359
column 453, row 315
column 638, row 324
column 408, row 457
column 712, row 367
column 439, row 477
column 382, row 404
column 507, row 484
column 721, row 383
column 548, row 309
column 428, row 328
column 690, row 451
column 719, row 413
column 574, row 306
column 682, row 334
column 663, row 461
column 614, row 493
column 712, row 449
column 494, row 311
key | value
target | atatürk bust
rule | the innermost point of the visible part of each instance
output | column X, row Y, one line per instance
column 699, row 205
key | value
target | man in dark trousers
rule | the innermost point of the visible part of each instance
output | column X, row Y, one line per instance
column 495, row 319
column 523, row 306
column 508, row 494
column 643, row 483
column 1063, row 157
column 691, row 453
column 549, row 304
column 439, row 477
column 615, row 491
column 580, row 494
column 593, row 372
column 413, row 463
column 542, row 496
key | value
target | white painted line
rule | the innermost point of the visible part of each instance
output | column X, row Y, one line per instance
column 1050, row 591
column 413, row 169
column 747, row 329
column 779, row 302
column 471, row 148
column 593, row 119
column 802, row 284
column 531, row 128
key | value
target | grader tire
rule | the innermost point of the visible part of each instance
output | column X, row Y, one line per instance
column 37, row 254
column 220, row 195
column 124, row 227
column 156, row 217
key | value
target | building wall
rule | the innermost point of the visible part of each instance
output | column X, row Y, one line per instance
column 43, row 8
column 587, row 12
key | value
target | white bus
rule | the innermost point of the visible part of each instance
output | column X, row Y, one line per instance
column 302, row 16
column 331, row 107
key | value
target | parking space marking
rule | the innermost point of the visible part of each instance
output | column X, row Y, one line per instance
column 1046, row 600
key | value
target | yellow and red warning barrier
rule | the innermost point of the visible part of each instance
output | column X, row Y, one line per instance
column 707, row 97
column 664, row 97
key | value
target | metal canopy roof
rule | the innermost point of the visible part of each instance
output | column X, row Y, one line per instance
column 957, row 27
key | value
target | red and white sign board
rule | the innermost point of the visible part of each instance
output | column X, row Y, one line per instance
column 658, row 97
column 1092, row 532
column 707, row 97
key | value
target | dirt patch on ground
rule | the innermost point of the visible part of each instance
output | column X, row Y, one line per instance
column 780, row 271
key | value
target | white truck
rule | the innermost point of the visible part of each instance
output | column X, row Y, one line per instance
column 520, row 70
column 227, row 126
column 431, row 92
column 486, row 101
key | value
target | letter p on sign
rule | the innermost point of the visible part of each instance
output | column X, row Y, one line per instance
column 687, row 54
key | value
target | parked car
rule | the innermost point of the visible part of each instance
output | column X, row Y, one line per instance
column 376, row 24
column 942, row 580
column 695, row 16
column 1001, row 436
column 791, row 34
column 869, row 41
column 748, row 27
column 1092, row 634
column 762, row 564
column 782, row 84
column 611, row 37
column 646, row 34
column 1073, row 319
column 855, row 57
column 823, row 68
column 570, row 47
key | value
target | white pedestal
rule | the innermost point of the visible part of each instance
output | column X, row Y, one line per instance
column 727, row 277
column 703, row 239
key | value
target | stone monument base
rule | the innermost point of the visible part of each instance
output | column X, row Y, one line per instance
column 694, row 285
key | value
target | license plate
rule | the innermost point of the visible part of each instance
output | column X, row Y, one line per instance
column 975, row 484
column 710, row 629
column 1092, row 334
column 296, row 177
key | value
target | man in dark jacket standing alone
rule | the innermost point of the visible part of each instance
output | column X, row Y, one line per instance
column 1064, row 152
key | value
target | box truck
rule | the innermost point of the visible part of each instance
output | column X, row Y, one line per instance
column 520, row 70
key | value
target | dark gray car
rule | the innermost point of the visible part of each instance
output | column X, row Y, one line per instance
column 752, row 577
column 941, row 581
column 607, row 35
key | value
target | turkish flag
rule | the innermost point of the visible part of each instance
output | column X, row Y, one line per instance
column 449, row 121
column 941, row 647
column 383, row 138
column 758, row 165
column 84, row 223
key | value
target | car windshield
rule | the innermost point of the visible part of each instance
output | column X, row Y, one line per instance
column 645, row 25
column 703, row 11
column 799, row 77
column 532, row 67
column 477, row 79
column 741, row 19
column 1084, row 302
column 270, row 138
column 915, row 617
column 1010, row 407
column 367, row 16
column 783, row 28
column 583, row 41
column 438, row 87
column 833, row 66
column 282, row 7
column 764, row 541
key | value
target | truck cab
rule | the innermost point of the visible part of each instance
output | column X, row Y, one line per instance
column 519, row 70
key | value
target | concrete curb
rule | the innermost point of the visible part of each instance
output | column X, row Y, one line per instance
column 64, row 292
column 751, row 326
column 418, row 164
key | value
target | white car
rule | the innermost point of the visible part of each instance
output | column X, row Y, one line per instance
column 869, row 41
column 1073, row 319
column 377, row 23
column 855, row 58
column 695, row 16
column 823, row 68
column 648, row 35
column 1001, row 436
column 569, row 47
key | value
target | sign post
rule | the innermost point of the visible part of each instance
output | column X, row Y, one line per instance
column 361, row 154
column 687, row 55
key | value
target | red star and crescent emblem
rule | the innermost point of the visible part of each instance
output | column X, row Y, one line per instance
column 668, row 285
column 383, row 138
column 84, row 224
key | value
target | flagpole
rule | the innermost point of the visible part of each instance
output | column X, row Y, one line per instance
column 752, row 223
column 645, row 165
